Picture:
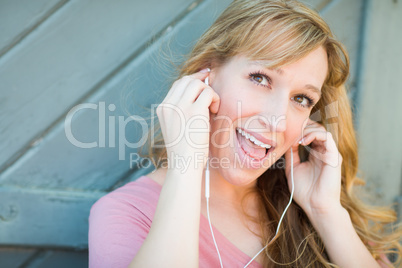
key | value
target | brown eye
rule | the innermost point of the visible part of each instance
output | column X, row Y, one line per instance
column 299, row 99
column 303, row 101
column 260, row 79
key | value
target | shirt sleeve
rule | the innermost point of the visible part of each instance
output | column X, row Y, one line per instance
column 117, row 229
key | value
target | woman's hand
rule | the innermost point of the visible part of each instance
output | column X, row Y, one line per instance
column 317, row 181
column 318, row 190
column 184, row 117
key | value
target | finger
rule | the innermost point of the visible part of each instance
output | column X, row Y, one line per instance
column 317, row 135
column 317, row 141
column 208, row 98
column 201, row 75
column 193, row 90
column 323, row 147
column 310, row 134
column 178, row 87
column 307, row 124
column 310, row 129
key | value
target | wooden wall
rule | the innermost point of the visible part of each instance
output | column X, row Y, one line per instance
column 75, row 70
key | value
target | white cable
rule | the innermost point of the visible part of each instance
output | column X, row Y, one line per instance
column 209, row 219
column 280, row 220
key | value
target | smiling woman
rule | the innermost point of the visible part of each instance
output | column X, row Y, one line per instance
column 272, row 66
column 274, row 104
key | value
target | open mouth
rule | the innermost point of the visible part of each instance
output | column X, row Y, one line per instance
column 253, row 147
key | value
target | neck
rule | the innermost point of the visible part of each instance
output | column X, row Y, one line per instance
column 226, row 193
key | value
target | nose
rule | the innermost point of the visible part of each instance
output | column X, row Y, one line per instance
column 274, row 116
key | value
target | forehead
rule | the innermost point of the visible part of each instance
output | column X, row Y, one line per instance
column 313, row 66
column 311, row 69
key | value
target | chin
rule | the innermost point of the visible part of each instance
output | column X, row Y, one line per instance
column 241, row 177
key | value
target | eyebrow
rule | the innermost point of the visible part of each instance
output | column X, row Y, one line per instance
column 280, row 72
column 314, row 89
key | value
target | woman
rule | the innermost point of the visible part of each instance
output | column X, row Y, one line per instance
column 267, row 68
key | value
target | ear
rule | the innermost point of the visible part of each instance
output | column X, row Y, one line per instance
column 211, row 78
column 212, row 74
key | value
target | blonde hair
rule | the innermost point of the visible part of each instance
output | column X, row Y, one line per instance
column 281, row 32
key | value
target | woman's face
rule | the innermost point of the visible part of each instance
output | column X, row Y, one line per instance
column 273, row 105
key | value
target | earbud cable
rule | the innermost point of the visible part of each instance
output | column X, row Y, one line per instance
column 280, row 220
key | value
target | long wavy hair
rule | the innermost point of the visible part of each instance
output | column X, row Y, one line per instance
column 281, row 32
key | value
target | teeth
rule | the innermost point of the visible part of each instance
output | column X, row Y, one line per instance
column 253, row 139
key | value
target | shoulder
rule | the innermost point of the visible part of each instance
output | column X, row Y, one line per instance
column 119, row 223
column 136, row 197
column 158, row 176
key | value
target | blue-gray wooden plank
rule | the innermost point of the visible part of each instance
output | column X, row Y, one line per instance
column 52, row 155
column 47, row 218
column 378, row 101
column 59, row 218
column 14, row 257
column 65, row 57
column 56, row 163
column 59, row 259
column 18, row 18
column 344, row 17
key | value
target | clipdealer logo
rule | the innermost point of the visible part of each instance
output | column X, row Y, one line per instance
column 101, row 143
column 107, row 125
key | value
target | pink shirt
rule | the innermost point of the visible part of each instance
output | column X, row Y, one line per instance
column 120, row 221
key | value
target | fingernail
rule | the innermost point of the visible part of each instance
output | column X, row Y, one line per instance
column 206, row 70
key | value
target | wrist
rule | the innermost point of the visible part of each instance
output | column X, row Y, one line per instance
column 186, row 163
column 329, row 218
column 186, row 171
column 344, row 246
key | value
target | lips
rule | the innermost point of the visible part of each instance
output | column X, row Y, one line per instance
column 253, row 161
column 260, row 138
column 251, row 149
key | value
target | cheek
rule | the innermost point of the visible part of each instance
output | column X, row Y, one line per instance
column 221, row 123
column 240, row 104
column 233, row 108
column 234, row 103
column 295, row 127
